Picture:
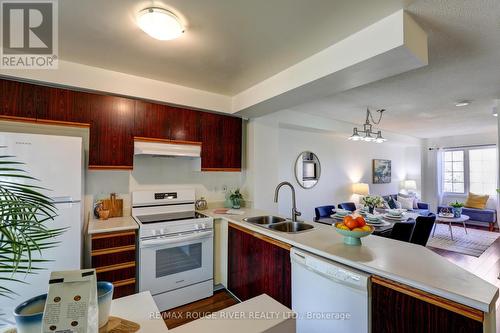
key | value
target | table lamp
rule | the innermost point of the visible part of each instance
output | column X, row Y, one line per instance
column 361, row 189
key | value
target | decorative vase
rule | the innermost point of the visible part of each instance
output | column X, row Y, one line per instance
column 457, row 212
column 236, row 203
column 370, row 209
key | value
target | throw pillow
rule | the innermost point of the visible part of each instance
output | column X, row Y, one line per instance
column 398, row 204
column 476, row 201
column 391, row 203
column 410, row 195
column 406, row 203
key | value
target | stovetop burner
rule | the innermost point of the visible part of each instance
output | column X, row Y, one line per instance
column 169, row 217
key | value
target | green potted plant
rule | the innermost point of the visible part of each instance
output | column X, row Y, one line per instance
column 24, row 213
column 456, row 207
column 372, row 202
column 236, row 197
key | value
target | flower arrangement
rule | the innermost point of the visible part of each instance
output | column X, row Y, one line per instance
column 373, row 201
column 236, row 197
column 457, row 208
column 457, row 204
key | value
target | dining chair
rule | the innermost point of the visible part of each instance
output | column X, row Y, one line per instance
column 323, row 212
column 348, row 206
column 423, row 229
column 402, row 231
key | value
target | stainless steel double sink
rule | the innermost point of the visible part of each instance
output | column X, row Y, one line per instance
column 279, row 224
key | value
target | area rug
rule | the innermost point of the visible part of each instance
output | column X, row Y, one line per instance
column 473, row 244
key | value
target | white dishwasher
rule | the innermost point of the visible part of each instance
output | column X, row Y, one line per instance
column 328, row 296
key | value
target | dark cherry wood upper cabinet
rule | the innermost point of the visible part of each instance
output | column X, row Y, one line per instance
column 66, row 107
column 184, row 125
column 231, row 142
column 258, row 264
column 20, row 100
column 151, row 120
column 114, row 121
column 111, row 132
column 211, row 149
column 221, row 142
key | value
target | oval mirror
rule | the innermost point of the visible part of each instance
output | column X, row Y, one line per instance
column 307, row 169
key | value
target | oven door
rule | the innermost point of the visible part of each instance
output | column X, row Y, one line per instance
column 172, row 262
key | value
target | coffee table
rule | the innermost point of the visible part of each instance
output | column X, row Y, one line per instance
column 451, row 220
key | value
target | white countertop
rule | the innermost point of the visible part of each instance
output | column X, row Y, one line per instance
column 111, row 225
column 258, row 314
column 141, row 309
column 410, row 264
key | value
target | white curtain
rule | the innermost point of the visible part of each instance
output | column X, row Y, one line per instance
column 434, row 174
column 439, row 176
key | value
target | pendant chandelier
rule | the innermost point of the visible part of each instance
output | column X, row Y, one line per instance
column 367, row 134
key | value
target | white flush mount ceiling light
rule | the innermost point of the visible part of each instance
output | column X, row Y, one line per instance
column 367, row 133
column 159, row 23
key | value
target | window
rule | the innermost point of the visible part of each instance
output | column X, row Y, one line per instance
column 454, row 180
column 470, row 170
column 483, row 171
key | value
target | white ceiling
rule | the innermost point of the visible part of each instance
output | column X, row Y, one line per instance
column 464, row 63
column 229, row 45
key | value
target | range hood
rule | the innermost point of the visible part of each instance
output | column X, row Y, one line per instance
column 166, row 149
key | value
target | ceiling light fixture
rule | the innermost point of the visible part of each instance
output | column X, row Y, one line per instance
column 368, row 134
column 159, row 23
column 495, row 108
column 462, row 103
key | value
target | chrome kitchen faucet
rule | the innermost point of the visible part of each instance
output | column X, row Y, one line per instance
column 295, row 212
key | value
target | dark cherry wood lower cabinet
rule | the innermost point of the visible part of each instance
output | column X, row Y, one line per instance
column 113, row 257
column 402, row 309
column 257, row 265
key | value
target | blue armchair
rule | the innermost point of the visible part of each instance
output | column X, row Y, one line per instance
column 323, row 213
column 347, row 206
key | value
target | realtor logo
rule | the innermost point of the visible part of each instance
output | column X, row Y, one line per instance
column 29, row 34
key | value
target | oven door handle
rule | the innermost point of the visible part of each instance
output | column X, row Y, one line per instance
column 175, row 239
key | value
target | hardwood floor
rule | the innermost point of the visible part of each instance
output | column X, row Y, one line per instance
column 487, row 266
column 192, row 311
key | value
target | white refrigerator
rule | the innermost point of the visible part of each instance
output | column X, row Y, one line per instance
column 57, row 162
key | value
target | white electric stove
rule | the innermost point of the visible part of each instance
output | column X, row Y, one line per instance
column 175, row 247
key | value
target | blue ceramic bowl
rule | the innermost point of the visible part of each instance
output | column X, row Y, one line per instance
column 29, row 314
column 353, row 237
column 104, row 297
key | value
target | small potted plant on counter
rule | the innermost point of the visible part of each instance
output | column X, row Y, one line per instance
column 236, row 197
column 457, row 208
column 372, row 202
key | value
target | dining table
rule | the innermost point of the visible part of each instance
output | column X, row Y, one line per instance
column 383, row 231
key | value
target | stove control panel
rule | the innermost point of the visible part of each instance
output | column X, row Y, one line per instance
column 165, row 195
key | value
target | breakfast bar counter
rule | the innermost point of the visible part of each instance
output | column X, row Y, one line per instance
column 409, row 264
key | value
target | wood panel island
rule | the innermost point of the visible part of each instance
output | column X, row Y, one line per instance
column 412, row 288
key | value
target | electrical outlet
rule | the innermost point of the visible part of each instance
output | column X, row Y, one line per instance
column 224, row 188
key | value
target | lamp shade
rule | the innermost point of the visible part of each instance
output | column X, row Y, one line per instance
column 410, row 185
column 360, row 188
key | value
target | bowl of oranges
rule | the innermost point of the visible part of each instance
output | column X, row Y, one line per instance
column 353, row 228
